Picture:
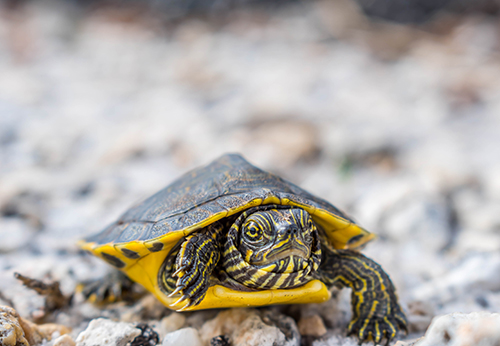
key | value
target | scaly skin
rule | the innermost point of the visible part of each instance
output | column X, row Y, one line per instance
column 376, row 311
column 377, row 315
column 197, row 258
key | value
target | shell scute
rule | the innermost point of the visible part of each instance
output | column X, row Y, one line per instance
column 224, row 187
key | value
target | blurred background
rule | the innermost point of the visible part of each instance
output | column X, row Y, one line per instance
column 389, row 109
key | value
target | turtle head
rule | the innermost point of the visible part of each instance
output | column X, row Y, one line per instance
column 277, row 235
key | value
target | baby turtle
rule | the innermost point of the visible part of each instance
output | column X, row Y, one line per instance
column 231, row 235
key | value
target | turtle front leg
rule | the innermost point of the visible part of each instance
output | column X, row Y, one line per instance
column 197, row 257
column 376, row 311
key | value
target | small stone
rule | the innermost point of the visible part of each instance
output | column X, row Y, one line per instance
column 15, row 330
column 475, row 273
column 247, row 327
column 411, row 342
column 36, row 333
column 460, row 329
column 336, row 340
column 105, row 332
column 184, row 337
column 312, row 325
column 254, row 332
column 173, row 322
column 147, row 308
column 220, row 340
column 225, row 323
column 148, row 336
column 419, row 315
column 48, row 330
column 11, row 332
column 64, row 340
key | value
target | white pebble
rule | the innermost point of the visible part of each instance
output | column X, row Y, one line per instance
column 104, row 332
column 184, row 337
column 459, row 329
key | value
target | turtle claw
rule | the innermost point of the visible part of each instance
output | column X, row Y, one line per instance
column 193, row 267
column 376, row 329
column 178, row 271
column 188, row 305
column 177, row 290
column 180, row 300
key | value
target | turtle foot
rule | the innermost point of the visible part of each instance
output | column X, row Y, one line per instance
column 195, row 262
column 112, row 288
column 378, row 329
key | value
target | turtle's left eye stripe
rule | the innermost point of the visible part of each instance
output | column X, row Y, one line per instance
column 253, row 231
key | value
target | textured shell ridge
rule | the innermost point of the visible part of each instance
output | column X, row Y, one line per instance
column 204, row 195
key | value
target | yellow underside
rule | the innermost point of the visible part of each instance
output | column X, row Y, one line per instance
column 145, row 269
column 223, row 297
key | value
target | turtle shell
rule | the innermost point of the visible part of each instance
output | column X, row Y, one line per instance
column 204, row 195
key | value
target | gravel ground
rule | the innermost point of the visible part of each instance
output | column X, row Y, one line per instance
column 99, row 110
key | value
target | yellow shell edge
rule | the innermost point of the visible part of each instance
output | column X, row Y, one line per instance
column 145, row 269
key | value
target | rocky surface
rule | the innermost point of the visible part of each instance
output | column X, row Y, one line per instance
column 184, row 336
column 11, row 332
column 399, row 127
column 105, row 332
column 459, row 329
column 16, row 331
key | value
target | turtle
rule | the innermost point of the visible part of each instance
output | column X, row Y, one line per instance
column 232, row 235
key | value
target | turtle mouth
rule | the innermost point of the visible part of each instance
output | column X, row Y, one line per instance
column 289, row 249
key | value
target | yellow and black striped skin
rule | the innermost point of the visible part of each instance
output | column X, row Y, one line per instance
column 266, row 247
column 278, row 247
column 187, row 212
column 192, row 263
column 377, row 314
column 272, row 247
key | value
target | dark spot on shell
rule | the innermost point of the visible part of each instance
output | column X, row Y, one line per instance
column 130, row 254
column 156, row 247
column 355, row 239
column 114, row 261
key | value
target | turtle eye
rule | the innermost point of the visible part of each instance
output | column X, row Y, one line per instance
column 253, row 231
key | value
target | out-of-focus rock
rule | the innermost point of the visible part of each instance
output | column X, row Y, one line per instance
column 334, row 339
column 148, row 336
column 282, row 142
column 459, row 329
column 105, row 332
column 407, row 342
column 254, row 332
column 64, row 340
column 220, row 340
column 147, row 308
column 173, row 322
column 285, row 324
column 419, row 316
column 477, row 272
column 15, row 233
column 11, row 332
column 198, row 319
column 36, row 333
column 225, row 323
column 312, row 325
column 248, row 327
column 184, row 336
column 15, row 329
